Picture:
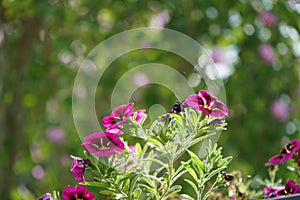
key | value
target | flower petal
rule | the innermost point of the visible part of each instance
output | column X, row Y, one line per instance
column 103, row 144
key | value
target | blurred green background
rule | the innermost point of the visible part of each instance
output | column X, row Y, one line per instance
column 254, row 43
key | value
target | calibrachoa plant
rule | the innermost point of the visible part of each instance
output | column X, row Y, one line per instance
column 147, row 169
column 290, row 151
column 289, row 155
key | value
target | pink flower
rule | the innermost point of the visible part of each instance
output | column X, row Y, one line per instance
column 218, row 56
column 160, row 19
column 208, row 104
column 78, row 192
column 290, row 188
column 280, row 110
column 78, row 168
column 269, row 19
column 267, row 53
column 55, row 134
column 271, row 192
column 103, row 144
column 140, row 114
column 286, row 153
column 120, row 115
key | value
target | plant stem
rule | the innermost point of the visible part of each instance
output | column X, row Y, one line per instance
column 210, row 189
column 170, row 170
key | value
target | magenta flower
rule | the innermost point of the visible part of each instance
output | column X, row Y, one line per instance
column 46, row 197
column 120, row 115
column 208, row 104
column 78, row 192
column 280, row 110
column 78, row 168
column 267, row 53
column 140, row 114
column 271, row 192
column 103, row 144
column 286, row 153
column 269, row 19
column 115, row 131
column 290, row 188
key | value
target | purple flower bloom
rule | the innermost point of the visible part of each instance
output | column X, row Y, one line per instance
column 121, row 115
column 290, row 188
column 78, row 192
column 78, row 168
column 280, row 110
column 271, row 192
column 115, row 131
column 46, row 197
column 267, row 53
column 208, row 104
column 269, row 19
column 103, row 144
column 140, row 114
column 286, row 153
column 118, row 116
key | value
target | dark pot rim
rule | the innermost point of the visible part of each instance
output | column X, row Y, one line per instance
column 289, row 197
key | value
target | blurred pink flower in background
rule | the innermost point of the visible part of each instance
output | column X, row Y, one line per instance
column 55, row 134
column 280, row 110
column 269, row 19
column 267, row 53
column 224, row 60
column 159, row 19
column 38, row 172
column 219, row 56
column 140, row 79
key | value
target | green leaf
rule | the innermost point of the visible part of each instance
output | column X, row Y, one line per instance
column 137, row 193
column 177, row 118
column 153, row 142
column 138, row 150
column 106, row 192
column 126, row 185
column 191, row 172
column 200, row 138
column 97, row 184
column 191, row 183
column 214, row 172
column 186, row 197
column 196, row 159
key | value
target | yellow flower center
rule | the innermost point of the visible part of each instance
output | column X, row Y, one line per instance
column 207, row 107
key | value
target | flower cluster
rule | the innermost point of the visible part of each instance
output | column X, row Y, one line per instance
column 290, row 188
column 126, row 171
column 107, row 143
column 288, row 152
